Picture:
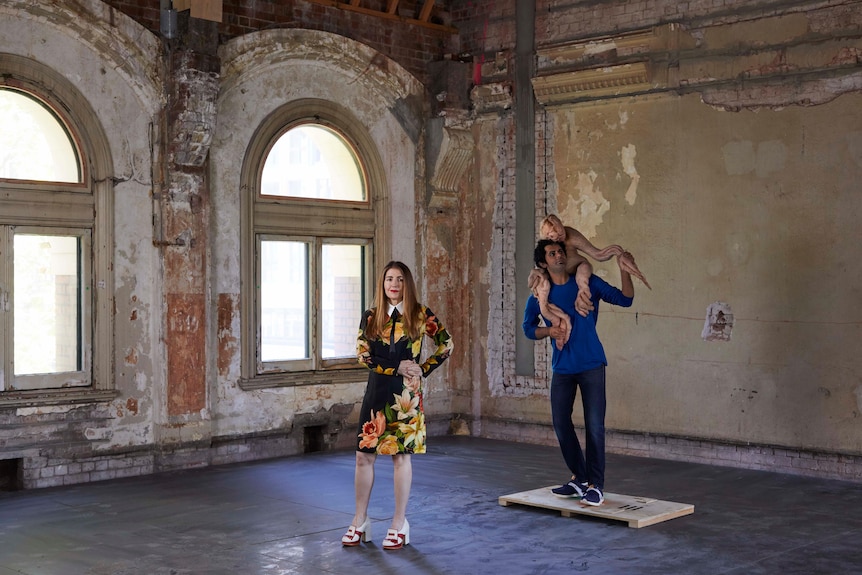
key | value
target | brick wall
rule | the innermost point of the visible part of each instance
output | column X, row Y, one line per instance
column 412, row 46
column 485, row 27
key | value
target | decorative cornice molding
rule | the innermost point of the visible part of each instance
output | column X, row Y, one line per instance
column 492, row 97
column 594, row 83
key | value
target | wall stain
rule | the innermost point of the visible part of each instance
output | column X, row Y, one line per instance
column 227, row 346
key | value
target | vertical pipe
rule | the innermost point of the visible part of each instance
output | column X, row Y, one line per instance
column 525, row 173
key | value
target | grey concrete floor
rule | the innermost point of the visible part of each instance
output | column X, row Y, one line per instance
column 287, row 516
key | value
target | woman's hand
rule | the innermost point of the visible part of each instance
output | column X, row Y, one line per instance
column 409, row 368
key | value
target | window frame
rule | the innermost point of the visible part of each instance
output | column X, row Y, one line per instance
column 327, row 221
column 314, row 293
column 56, row 380
column 85, row 205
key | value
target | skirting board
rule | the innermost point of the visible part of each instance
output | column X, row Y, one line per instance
column 636, row 511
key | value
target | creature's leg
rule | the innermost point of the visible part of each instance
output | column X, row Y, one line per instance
column 579, row 241
column 562, row 319
column 627, row 262
column 584, row 303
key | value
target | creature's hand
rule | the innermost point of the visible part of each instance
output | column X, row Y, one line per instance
column 557, row 332
column 536, row 276
column 583, row 303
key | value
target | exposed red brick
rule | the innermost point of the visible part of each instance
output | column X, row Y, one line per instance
column 186, row 352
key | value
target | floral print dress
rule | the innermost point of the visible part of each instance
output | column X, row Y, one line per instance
column 392, row 419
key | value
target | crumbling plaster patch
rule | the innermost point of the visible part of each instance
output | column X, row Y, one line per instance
column 627, row 157
column 228, row 325
column 718, row 325
column 585, row 204
column 779, row 94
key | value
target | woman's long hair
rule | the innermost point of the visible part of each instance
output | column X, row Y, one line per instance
column 412, row 309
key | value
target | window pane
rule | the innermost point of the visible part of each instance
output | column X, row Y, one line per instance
column 342, row 297
column 47, row 310
column 33, row 144
column 283, row 300
column 312, row 162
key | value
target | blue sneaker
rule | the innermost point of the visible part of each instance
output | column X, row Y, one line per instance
column 571, row 489
column 593, row 496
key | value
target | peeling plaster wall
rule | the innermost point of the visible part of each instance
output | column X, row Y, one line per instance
column 260, row 73
column 114, row 63
column 759, row 210
column 731, row 174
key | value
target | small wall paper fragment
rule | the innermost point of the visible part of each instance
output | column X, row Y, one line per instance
column 719, row 322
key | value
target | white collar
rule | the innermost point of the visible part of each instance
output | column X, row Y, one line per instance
column 399, row 307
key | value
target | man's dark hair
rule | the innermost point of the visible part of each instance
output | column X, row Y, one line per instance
column 539, row 252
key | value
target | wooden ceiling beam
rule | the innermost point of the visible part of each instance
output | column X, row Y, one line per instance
column 354, row 6
column 426, row 10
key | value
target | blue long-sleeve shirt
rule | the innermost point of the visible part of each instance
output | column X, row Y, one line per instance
column 583, row 351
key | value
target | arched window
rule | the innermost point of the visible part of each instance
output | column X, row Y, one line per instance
column 53, row 230
column 310, row 235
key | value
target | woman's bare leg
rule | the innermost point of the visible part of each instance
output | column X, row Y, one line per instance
column 363, row 481
column 403, row 476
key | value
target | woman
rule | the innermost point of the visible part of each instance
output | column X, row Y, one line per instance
column 392, row 421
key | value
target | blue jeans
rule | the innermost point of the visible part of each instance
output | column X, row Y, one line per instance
column 564, row 389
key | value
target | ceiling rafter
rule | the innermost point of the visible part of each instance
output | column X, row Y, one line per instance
column 391, row 12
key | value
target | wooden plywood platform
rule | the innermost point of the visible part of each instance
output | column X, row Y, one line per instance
column 636, row 511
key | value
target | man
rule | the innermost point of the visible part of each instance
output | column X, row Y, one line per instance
column 579, row 364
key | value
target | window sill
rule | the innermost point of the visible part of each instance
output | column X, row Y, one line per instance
column 40, row 397
column 298, row 378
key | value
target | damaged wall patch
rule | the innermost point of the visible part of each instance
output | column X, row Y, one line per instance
column 719, row 322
